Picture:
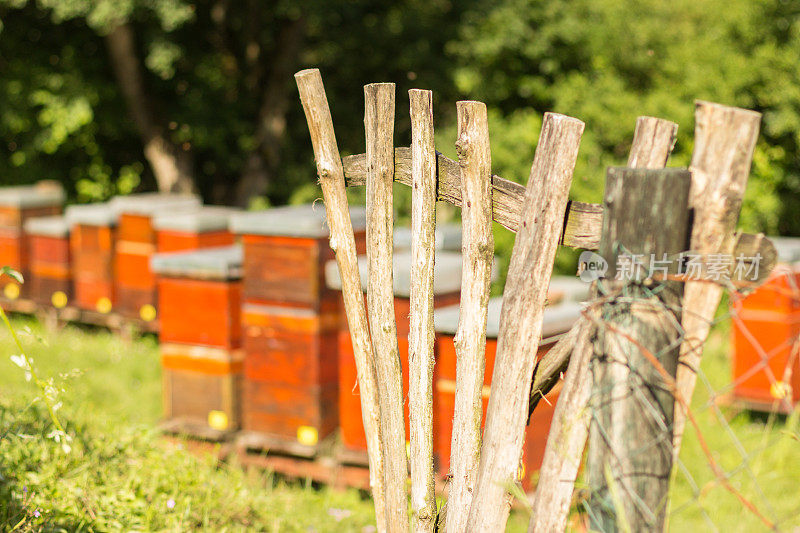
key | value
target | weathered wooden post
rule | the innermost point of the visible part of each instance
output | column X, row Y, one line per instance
column 725, row 139
column 421, row 334
column 653, row 140
column 470, row 340
column 645, row 228
column 541, row 221
column 379, row 129
column 331, row 180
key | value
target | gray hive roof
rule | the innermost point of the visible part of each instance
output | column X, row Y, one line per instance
column 210, row 263
column 154, row 203
column 307, row 220
column 28, row 196
column 447, row 237
column 571, row 288
column 55, row 226
column 446, row 275
column 100, row 214
column 788, row 248
column 557, row 319
column 203, row 220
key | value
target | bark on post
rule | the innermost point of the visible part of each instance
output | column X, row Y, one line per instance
column 630, row 434
column 379, row 127
column 521, row 319
column 724, row 141
column 331, row 179
column 421, row 333
column 653, row 140
column 470, row 339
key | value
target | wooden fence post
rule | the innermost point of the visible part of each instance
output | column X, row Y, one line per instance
column 645, row 228
column 653, row 140
column 379, row 128
column 421, row 333
column 331, row 179
column 724, row 141
column 470, row 339
column 521, row 319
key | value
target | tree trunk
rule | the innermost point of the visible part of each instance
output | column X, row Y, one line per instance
column 262, row 163
column 172, row 167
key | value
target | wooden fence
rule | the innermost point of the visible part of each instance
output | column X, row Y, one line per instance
column 628, row 340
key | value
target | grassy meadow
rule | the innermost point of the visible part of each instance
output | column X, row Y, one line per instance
column 121, row 476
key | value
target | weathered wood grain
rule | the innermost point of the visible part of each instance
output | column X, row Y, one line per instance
column 379, row 129
column 567, row 439
column 724, row 141
column 582, row 221
column 521, row 318
column 421, row 336
column 470, row 339
column 331, row 178
column 630, row 432
column 653, row 140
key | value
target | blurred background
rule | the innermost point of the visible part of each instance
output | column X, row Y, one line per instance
column 112, row 96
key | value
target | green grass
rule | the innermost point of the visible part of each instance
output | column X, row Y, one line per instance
column 121, row 476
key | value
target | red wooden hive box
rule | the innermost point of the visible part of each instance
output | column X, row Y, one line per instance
column 135, row 284
column 290, row 323
column 93, row 229
column 447, row 289
column 51, row 277
column 766, row 328
column 18, row 204
column 557, row 319
column 199, row 296
column 207, row 227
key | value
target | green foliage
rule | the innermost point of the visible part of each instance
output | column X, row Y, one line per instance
column 608, row 62
column 209, row 72
column 120, row 475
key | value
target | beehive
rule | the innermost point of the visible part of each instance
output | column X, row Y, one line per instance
column 557, row 319
column 18, row 204
column 93, row 229
column 207, row 227
column 766, row 327
column 290, row 321
column 51, row 277
column 199, row 296
column 447, row 288
column 135, row 284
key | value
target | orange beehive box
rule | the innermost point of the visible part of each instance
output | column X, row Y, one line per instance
column 135, row 284
column 286, row 249
column 557, row 319
column 200, row 334
column 766, row 328
column 17, row 205
column 290, row 321
column 207, row 227
column 201, row 388
column 50, row 267
column 93, row 229
column 447, row 283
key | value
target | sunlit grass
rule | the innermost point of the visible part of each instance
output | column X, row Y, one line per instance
column 122, row 476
